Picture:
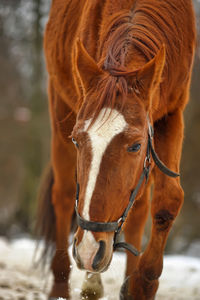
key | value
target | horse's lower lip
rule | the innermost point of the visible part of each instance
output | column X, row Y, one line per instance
column 102, row 268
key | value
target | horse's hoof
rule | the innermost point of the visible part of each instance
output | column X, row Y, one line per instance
column 124, row 290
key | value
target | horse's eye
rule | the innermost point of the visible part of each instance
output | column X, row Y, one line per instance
column 134, row 148
column 75, row 142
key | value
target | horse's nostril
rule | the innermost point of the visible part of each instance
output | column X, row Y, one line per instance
column 100, row 255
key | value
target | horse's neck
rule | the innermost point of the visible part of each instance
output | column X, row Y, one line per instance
column 89, row 24
column 114, row 6
column 146, row 37
column 114, row 15
column 94, row 25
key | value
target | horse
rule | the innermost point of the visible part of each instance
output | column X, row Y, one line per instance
column 119, row 80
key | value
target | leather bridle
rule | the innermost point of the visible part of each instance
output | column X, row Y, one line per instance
column 117, row 225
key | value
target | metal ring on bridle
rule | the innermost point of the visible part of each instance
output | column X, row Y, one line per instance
column 147, row 159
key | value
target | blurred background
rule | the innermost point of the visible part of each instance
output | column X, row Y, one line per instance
column 25, row 129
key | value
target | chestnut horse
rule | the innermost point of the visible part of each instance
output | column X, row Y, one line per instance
column 117, row 69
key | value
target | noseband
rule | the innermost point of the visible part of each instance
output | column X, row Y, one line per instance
column 116, row 227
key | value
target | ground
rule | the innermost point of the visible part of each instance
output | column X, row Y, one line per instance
column 21, row 280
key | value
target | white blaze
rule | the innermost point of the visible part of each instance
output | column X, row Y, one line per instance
column 108, row 124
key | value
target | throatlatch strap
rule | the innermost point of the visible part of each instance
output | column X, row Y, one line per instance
column 128, row 247
column 160, row 164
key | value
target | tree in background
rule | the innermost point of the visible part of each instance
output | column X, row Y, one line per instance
column 24, row 114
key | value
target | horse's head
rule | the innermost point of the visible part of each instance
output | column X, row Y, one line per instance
column 111, row 148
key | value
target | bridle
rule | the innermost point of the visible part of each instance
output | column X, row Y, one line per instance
column 117, row 225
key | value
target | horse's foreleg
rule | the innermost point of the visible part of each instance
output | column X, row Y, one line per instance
column 63, row 192
column 135, row 227
column 166, row 204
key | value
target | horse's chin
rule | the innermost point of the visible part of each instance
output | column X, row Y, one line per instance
column 101, row 269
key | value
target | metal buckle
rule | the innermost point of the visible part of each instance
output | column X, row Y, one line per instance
column 120, row 219
column 147, row 159
column 150, row 128
column 119, row 225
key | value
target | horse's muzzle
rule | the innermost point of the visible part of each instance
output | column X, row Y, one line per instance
column 94, row 258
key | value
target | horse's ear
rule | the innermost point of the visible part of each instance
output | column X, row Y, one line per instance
column 87, row 67
column 150, row 76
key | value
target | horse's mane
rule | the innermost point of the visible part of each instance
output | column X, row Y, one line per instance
column 145, row 28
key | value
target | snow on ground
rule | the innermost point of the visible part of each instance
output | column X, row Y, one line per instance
column 19, row 280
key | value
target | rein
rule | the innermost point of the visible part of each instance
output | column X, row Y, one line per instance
column 117, row 225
